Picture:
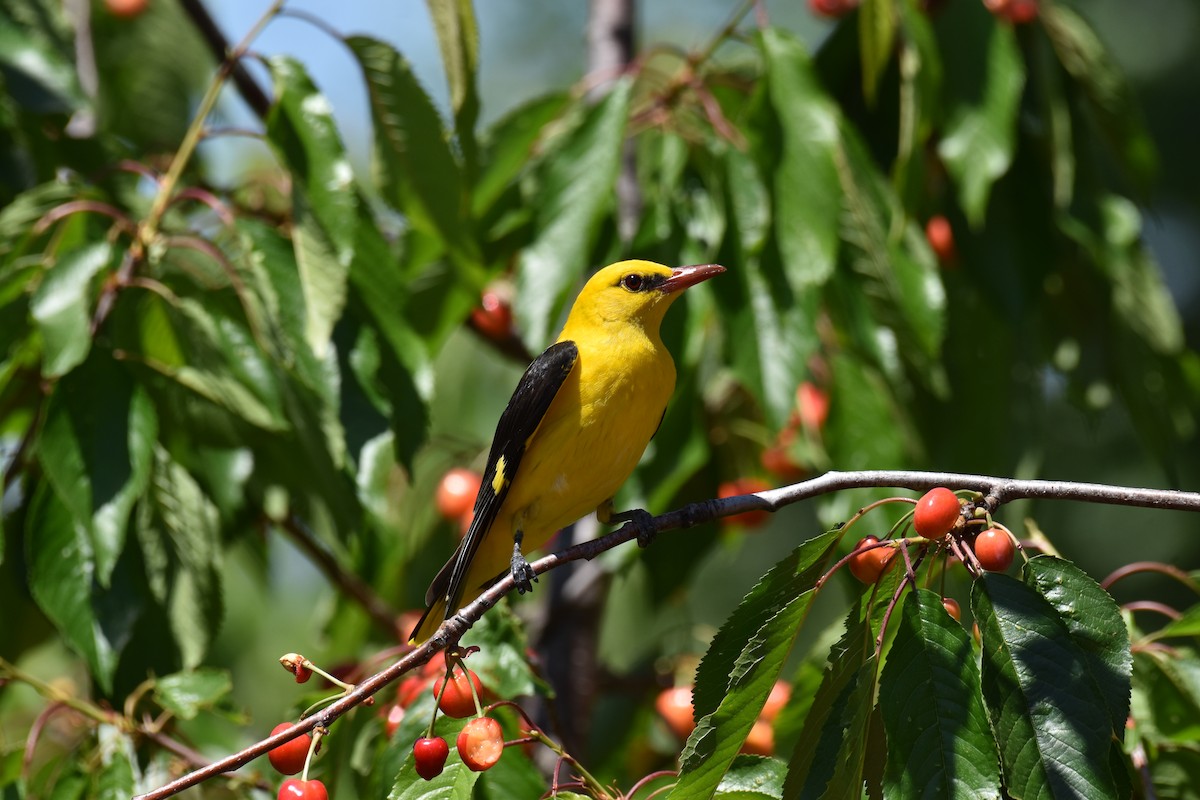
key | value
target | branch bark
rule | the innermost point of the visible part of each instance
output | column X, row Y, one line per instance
column 996, row 491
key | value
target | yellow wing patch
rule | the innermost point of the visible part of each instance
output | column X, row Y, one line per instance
column 499, row 480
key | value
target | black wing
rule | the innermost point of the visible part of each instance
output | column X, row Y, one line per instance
column 532, row 398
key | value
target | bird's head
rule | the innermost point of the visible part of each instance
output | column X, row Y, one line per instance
column 635, row 292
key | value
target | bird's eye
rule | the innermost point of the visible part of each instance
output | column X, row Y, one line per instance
column 632, row 282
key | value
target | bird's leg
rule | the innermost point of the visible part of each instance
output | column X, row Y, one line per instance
column 522, row 573
column 642, row 521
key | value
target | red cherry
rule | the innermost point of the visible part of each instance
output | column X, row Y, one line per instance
column 952, row 608
column 937, row 512
column 429, row 755
column 410, row 689
column 776, row 700
column 761, row 739
column 395, row 715
column 126, row 9
column 296, row 789
column 868, row 565
column 436, row 665
column 675, row 707
column 777, row 460
column 1021, row 12
column 941, row 239
column 747, row 519
column 480, row 744
column 995, row 550
column 456, row 493
column 493, row 318
column 289, row 757
column 812, row 405
column 832, row 8
column 457, row 700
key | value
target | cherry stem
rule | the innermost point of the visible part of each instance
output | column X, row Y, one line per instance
column 862, row 512
column 318, row 732
column 586, row 778
column 653, row 776
column 1151, row 605
column 1136, row 567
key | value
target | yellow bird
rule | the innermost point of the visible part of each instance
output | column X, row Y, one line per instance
column 575, row 428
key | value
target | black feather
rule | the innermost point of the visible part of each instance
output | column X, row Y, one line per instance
column 532, row 398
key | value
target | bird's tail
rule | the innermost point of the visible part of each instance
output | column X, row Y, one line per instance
column 430, row 621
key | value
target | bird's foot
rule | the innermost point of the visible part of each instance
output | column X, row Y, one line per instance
column 643, row 522
column 522, row 573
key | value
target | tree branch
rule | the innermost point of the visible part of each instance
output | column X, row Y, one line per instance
column 347, row 582
column 247, row 87
column 995, row 491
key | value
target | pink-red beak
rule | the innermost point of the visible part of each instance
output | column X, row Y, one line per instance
column 683, row 277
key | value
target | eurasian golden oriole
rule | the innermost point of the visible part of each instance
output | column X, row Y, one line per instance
column 575, row 428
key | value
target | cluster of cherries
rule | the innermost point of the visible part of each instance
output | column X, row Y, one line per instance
column 939, row 513
column 481, row 741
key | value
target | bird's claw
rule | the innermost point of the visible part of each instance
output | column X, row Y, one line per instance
column 643, row 522
column 522, row 574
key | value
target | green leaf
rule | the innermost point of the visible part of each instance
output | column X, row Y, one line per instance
column 773, row 335
column 1048, row 715
column 1110, row 96
column 1168, row 691
column 1096, row 627
column 458, row 37
column 985, row 76
column 938, row 740
column 744, row 661
column 61, row 570
column 876, row 33
column 186, row 694
column 719, row 735
column 1187, row 625
column 303, row 131
column 897, row 272
column 1176, row 774
column 511, row 142
column 188, row 520
column 62, row 307
column 95, row 449
column 787, row 580
column 41, row 78
column 806, row 191
column 752, row 778
column 116, row 777
column 415, row 167
column 829, row 757
column 575, row 196
column 223, row 363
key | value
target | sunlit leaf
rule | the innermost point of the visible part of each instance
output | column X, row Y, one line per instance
column 985, row 75
column 62, row 307
column 806, row 190
column 576, row 193
column 302, row 128
column 752, row 778
column 185, row 694
column 876, row 33
column 60, row 578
